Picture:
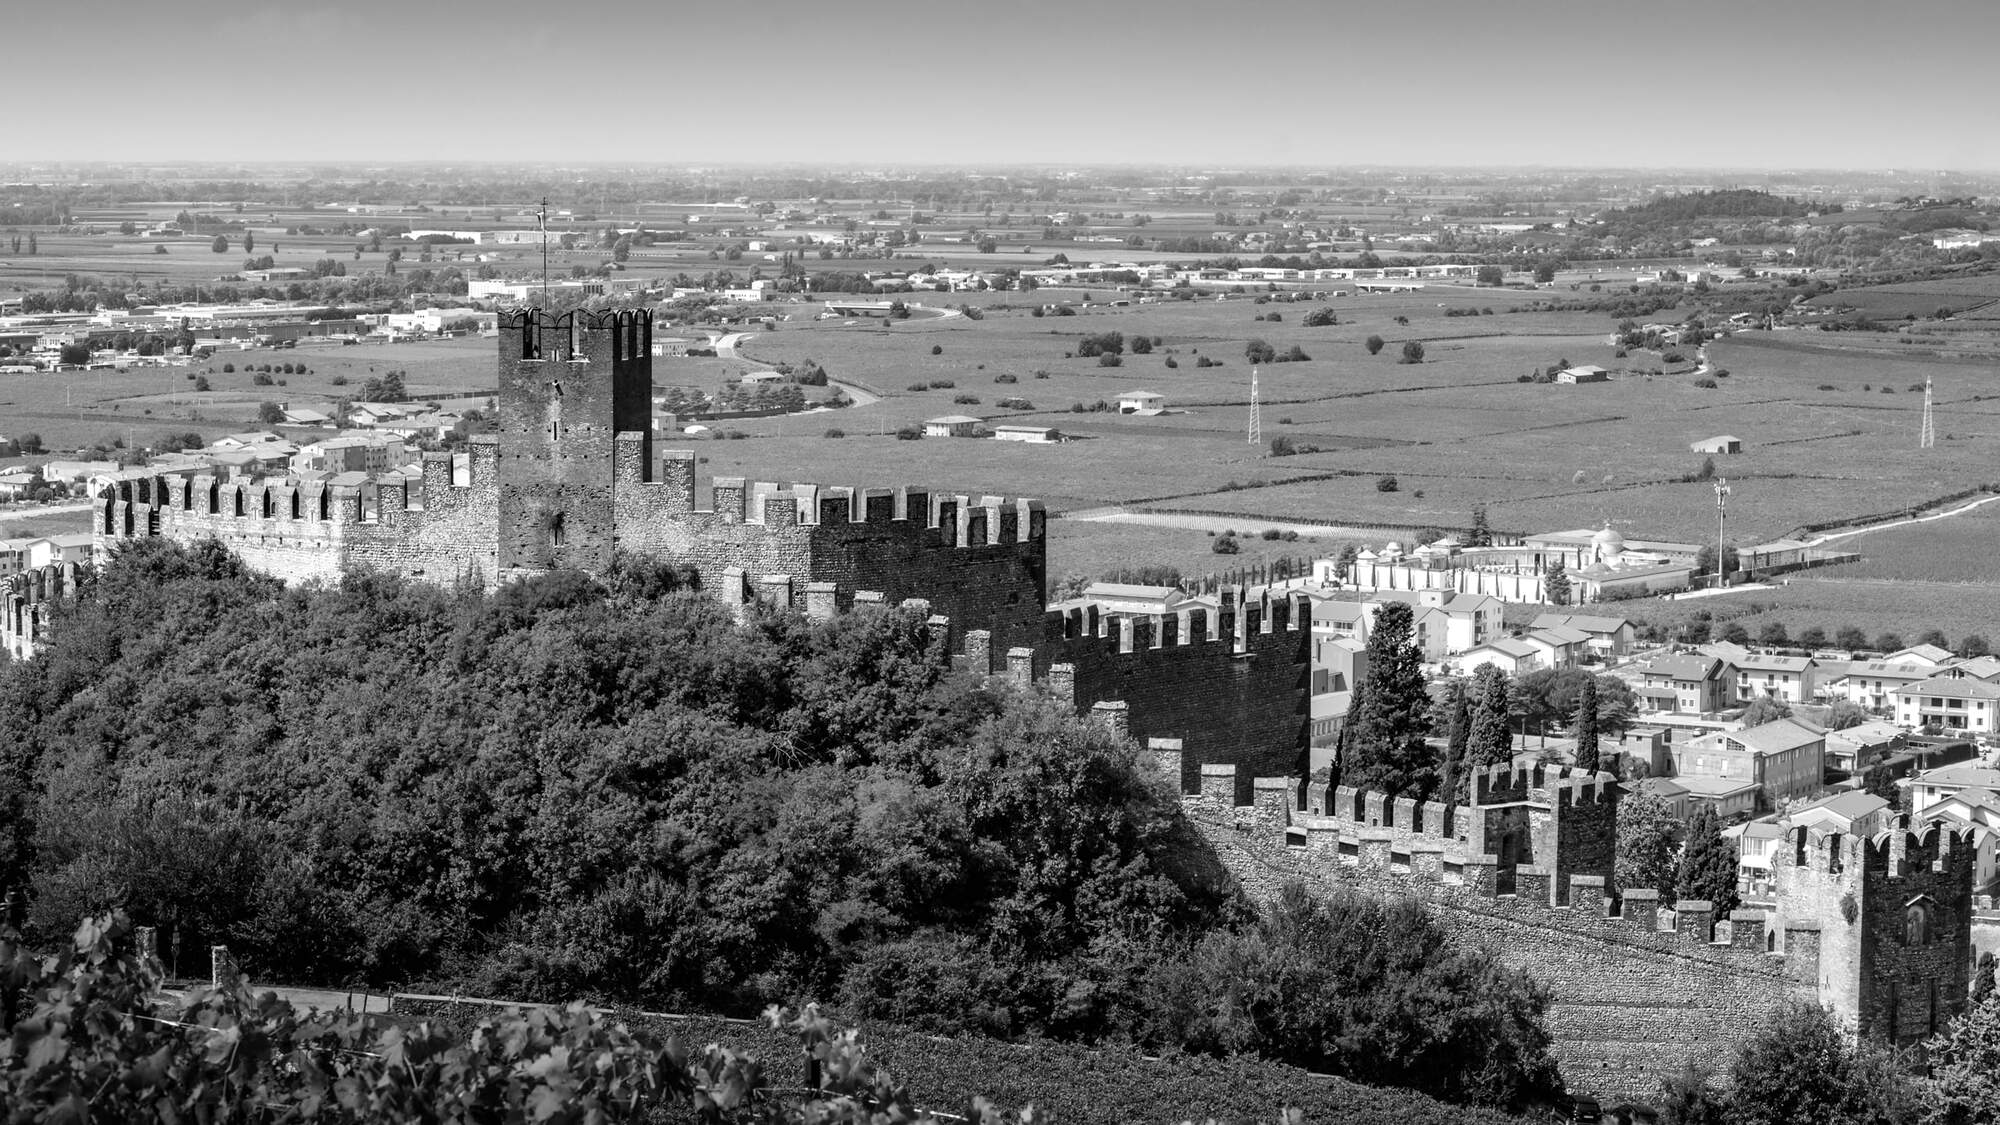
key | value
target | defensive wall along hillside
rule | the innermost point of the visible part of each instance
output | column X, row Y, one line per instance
column 1876, row 929
column 1227, row 685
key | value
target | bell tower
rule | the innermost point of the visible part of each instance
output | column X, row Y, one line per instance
column 569, row 383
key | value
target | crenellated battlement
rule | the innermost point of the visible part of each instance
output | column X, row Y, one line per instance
column 1528, row 779
column 1358, row 842
column 536, row 335
column 1638, row 987
column 29, row 599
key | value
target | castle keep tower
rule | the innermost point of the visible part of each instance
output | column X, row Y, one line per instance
column 569, row 383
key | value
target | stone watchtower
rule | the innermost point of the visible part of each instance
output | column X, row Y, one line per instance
column 1894, row 914
column 569, row 383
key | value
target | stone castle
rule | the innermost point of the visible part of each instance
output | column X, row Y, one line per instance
column 1878, row 929
column 571, row 480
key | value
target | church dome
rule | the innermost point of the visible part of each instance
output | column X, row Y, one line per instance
column 1608, row 540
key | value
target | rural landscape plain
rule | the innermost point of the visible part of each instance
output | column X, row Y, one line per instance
column 1054, row 563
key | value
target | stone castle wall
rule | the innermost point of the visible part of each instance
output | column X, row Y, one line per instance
column 27, row 602
column 1638, row 988
column 1226, row 687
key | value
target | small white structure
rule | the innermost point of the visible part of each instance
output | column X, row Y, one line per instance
column 951, row 425
column 1722, row 443
column 1583, row 373
column 1141, row 402
column 1034, row 435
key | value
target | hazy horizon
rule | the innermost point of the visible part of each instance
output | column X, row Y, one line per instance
column 1776, row 85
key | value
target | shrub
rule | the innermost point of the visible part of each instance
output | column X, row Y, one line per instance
column 835, row 432
column 1109, row 360
column 1828, row 387
column 1171, row 363
column 1710, row 384
column 1321, row 318
column 1042, row 373
column 942, row 384
column 937, row 349
column 1003, row 377
column 1141, row 345
column 229, row 369
column 1225, row 545
column 201, row 382
column 1015, row 404
column 339, row 380
column 1413, row 352
column 1721, row 372
column 260, row 379
column 1281, row 446
column 966, row 400
column 920, row 386
column 1373, row 344
column 1204, row 361
column 909, row 433
column 1385, row 484
column 1272, row 534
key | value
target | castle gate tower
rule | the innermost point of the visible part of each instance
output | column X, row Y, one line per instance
column 569, row 383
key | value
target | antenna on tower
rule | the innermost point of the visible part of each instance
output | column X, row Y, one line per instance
column 1256, row 412
column 1928, row 436
column 542, row 219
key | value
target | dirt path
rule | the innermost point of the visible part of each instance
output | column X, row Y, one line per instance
column 1833, row 536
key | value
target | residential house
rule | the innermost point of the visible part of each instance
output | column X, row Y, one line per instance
column 1945, row 782
column 1445, row 621
column 51, row 549
column 1979, row 808
column 75, row 472
column 14, row 555
column 951, row 425
column 1508, row 654
column 371, row 453
column 1790, row 679
column 1948, row 705
column 1934, row 655
column 1560, row 646
column 16, row 486
column 1338, row 665
column 1873, row 684
column 1783, row 758
column 1693, row 682
column 1611, row 638
column 1855, row 748
column 1854, row 812
column 252, row 439
column 1755, row 842
column 1141, row 402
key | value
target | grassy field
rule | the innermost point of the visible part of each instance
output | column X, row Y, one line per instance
column 73, row 409
column 1829, row 421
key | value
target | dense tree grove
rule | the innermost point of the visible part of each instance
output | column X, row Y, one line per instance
column 613, row 790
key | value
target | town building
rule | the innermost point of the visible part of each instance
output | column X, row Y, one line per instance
column 1610, row 638
column 1947, row 704
column 1783, row 758
column 1856, row 748
column 1141, row 402
column 1696, row 683
column 1033, row 435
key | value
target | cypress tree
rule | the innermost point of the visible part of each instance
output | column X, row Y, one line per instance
column 1586, row 725
column 1458, row 733
column 1708, row 865
column 1392, row 717
column 1490, row 741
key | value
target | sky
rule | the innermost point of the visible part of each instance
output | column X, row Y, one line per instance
column 1891, row 84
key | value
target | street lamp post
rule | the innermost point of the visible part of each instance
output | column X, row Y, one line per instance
column 1721, row 505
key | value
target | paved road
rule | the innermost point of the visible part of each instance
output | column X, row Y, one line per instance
column 725, row 345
